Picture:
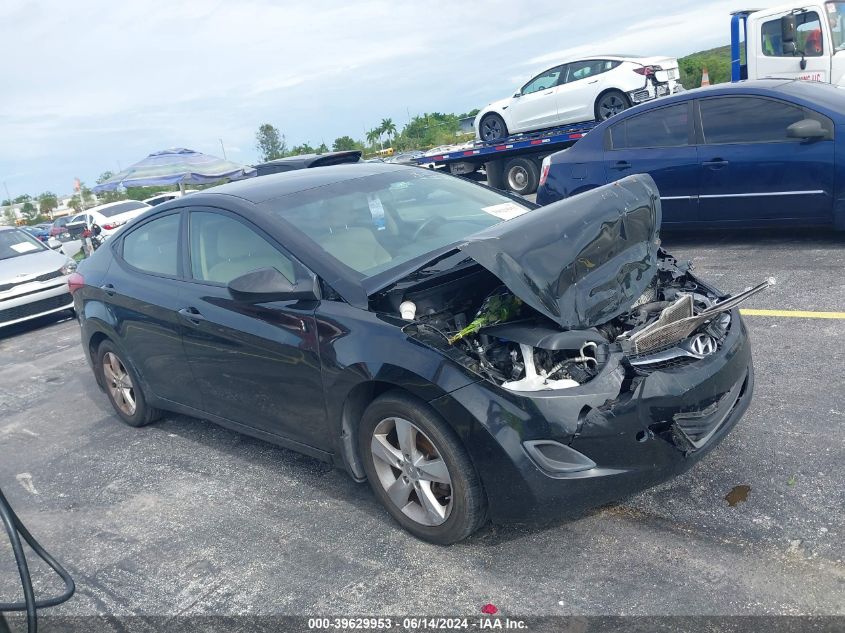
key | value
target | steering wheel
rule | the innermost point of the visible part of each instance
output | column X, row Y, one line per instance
column 427, row 226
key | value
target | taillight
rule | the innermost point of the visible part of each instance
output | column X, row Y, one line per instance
column 109, row 227
column 646, row 71
column 544, row 170
column 75, row 282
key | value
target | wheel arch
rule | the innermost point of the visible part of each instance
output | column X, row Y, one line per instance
column 606, row 91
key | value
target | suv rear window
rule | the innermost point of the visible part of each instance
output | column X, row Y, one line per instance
column 122, row 207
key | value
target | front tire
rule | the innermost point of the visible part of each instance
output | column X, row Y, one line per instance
column 123, row 387
column 610, row 103
column 492, row 128
column 419, row 470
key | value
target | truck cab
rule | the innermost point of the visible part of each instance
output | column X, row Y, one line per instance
column 792, row 41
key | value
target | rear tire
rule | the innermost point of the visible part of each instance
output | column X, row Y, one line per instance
column 409, row 455
column 492, row 128
column 610, row 103
column 522, row 176
column 123, row 387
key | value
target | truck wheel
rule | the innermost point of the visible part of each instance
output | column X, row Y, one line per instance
column 610, row 103
column 492, row 127
column 495, row 171
column 522, row 176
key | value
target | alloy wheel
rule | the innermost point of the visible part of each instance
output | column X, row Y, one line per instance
column 412, row 471
column 610, row 105
column 491, row 129
column 119, row 383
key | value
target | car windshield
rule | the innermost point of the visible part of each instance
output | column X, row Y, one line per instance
column 375, row 223
column 16, row 242
column 836, row 19
column 121, row 207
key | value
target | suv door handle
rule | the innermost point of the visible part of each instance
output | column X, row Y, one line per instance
column 108, row 289
column 621, row 164
column 716, row 163
column 192, row 314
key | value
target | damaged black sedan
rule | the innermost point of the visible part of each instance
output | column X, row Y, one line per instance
column 472, row 356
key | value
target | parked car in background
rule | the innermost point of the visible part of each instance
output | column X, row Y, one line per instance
column 109, row 217
column 59, row 226
column 307, row 161
column 341, row 312
column 33, row 278
column 579, row 90
column 166, row 197
column 41, row 232
column 754, row 153
column 38, row 232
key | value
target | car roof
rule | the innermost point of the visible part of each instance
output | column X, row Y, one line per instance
column 263, row 188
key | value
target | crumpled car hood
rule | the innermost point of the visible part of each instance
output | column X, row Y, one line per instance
column 581, row 261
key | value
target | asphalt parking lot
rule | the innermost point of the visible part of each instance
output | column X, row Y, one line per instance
column 184, row 517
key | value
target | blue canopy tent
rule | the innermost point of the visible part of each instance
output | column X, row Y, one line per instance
column 177, row 166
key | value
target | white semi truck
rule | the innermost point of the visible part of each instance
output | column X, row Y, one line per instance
column 801, row 41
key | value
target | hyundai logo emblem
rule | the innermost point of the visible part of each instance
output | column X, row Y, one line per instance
column 703, row 345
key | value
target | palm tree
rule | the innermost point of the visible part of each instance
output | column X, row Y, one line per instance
column 388, row 127
column 373, row 136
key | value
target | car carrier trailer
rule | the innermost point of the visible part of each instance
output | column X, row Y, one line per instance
column 512, row 163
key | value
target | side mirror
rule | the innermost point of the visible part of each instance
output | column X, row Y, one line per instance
column 517, row 94
column 787, row 28
column 806, row 129
column 790, row 49
column 268, row 284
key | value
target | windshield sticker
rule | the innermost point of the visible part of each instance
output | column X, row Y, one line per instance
column 376, row 210
column 506, row 210
column 24, row 247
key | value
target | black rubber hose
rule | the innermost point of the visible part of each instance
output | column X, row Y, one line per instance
column 15, row 530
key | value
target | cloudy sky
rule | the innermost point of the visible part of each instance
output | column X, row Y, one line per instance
column 89, row 85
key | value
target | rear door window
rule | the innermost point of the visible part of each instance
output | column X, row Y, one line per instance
column 747, row 120
column 153, row 247
column 663, row 127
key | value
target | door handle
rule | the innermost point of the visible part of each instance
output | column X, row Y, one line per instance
column 594, row 81
column 621, row 164
column 191, row 314
column 108, row 289
column 716, row 163
column 549, row 92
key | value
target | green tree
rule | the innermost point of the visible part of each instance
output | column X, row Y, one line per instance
column 388, row 127
column 23, row 198
column 270, row 142
column 9, row 216
column 345, row 143
column 47, row 201
column 717, row 61
column 373, row 136
column 305, row 148
column 322, row 149
column 29, row 211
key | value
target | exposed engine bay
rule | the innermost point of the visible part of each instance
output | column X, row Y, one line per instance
column 475, row 319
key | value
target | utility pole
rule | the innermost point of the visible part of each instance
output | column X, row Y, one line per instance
column 223, row 148
column 9, row 198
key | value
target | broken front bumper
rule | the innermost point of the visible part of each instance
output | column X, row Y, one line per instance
column 633, row 438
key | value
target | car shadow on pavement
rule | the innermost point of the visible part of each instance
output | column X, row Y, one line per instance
column 33, row 325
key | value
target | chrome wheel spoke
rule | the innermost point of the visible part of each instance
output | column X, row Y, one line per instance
column 119, row 384
column 406, row 433
column 434, row 470
column 383, row 450
column 435, row 512
column 400, row 491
